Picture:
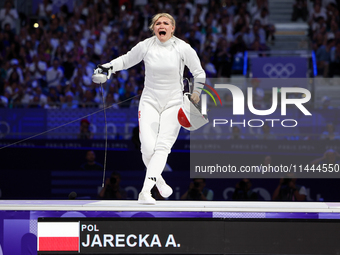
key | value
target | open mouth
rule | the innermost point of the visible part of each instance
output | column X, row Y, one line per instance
column 162, row 33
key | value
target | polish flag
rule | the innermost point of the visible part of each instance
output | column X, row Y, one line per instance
column 58, row 236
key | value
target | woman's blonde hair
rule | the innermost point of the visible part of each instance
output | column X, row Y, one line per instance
column 159, row 15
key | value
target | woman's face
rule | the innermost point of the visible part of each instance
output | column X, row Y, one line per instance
column 163, row 29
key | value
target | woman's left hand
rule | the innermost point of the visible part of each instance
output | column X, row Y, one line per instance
column 195, row 97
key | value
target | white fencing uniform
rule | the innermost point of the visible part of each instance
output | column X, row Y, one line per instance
column 161, row 98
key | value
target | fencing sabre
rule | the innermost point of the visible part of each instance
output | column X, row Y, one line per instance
column 100, row 77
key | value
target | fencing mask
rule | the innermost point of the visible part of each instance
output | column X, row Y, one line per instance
column 190, row 116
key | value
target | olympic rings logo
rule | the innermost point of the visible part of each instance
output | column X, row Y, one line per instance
column 4, row 132
column 279, row 70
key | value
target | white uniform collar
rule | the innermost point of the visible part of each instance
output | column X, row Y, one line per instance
column 165, row 44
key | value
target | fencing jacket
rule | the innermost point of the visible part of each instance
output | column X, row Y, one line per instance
column 164, row 63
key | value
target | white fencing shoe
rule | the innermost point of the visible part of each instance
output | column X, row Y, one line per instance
column 164, row 189
column 145, row 198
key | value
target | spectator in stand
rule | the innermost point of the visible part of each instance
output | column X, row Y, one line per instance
column 54, row 74
column 242, row 13
column 257, row 46
column 267, row 161
column 210, row 24
column 258, row 94
column 332, row 12
column 329, row 157
column 91, row 164
column 30, row 48
column 226, row 34
column 334, row 66
column 35, row 102
column 26, row 97
column 113, row 90
column 323, row 57
column 325, row 3
column 53, row 99
column 314, row 20
column 230, row 7
column 243, row 191
column 112, row 189
column 334, row 28
column 193, row 41
column 51, row 103
column 8, row 15
column 209, row 67
column 123, row 98
column 109, row 101
column 38, row 69
column 264, row 23
column 266, row 134
column 45, row 50
column 14, row 78
column 315, row 12
column 326, row 103
column 15, row 67
column 318, row 41
column 288, row 190
column 226, row 23
column 4, row 99
column 257, row 33
column 69, row 66
column 41, row 96
column 24, row 56
column 223, row 59
column 86, row 67
column 319, row 26
column 44, row 9
column 208, row 44
column 257, row 7
column 228, row 98
column 99, row 94
column 236, row 133
column 59, row 51
column 239, row 25
column 198, row 191
column 84, row 81
column 13, row 51
column 300, row 10
column 69, row 102
column 88, row 100
column 239, row 46
column 135, row 100
column 8, row 39
column 85, row 132
column 330, row 133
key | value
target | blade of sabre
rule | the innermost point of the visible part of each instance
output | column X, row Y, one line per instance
column 105, row 153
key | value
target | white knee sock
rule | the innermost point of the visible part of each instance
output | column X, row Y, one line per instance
column 154, row 170
column 148, row 185
column 146, row 159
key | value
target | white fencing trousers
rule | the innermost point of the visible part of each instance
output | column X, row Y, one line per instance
column 158, row 130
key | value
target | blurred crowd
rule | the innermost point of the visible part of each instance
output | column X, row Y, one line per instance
column 47, row 60
column 323, row 20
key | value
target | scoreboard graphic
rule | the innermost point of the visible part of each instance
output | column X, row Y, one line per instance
column 187, row 236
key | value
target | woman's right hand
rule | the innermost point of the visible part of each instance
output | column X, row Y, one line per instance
column 107, row 65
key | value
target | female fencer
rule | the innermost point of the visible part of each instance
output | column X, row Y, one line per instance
column 164, row 57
